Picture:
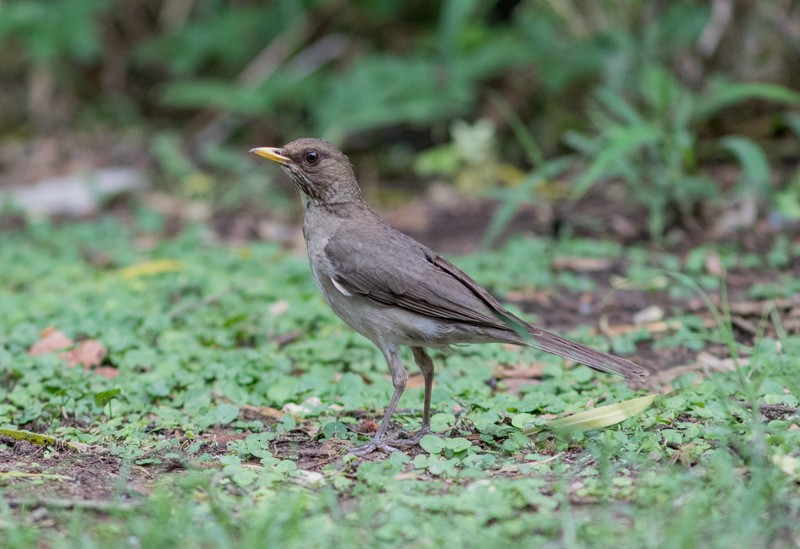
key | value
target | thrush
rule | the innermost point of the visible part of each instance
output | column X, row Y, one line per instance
column 396, row 291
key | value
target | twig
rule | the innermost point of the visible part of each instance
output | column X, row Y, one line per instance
column 284, row 339
column 43, row 440
column 774, row 408
column 180, row 310
column 721, row 15
column 744, row 325
column 89, row 504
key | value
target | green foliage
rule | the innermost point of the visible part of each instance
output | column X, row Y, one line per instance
column 197, row 344
column 54, row 31
column 650, row 143
column 630, row 84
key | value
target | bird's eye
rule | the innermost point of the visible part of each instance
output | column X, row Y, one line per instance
column 312, row 157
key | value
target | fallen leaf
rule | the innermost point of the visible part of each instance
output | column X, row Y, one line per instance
column 279, row 307
column 788, row 464
column 304, row 408
column 745, row 325
column 367, row 426
column 222, row 438
column 650, row 314
column 309, row 478
column 51, row 340
column 704, row 359
column 664, row 377
column 541, row 297
column 415, row 381
column 89, row 353
column 721, row 364
column 589, row 264
column 652, row 327
column 714, row 264
column 597, row 418
column 249, row 412
column 514, row 385
column 533, row 370
column 107, row 372
column 150, row 268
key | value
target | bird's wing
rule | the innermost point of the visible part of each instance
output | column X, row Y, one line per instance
column 391, row 269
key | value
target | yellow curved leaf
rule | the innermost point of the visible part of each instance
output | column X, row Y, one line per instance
column 597, row 418
column 149, row 268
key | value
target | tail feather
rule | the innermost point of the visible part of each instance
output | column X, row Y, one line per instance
column 561, row 346
column 603, row 362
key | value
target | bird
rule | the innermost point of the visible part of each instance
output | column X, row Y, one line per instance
column 397, row 292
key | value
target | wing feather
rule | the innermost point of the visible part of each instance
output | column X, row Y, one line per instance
column 414, row 278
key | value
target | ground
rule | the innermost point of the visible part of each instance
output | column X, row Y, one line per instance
column 222, row 385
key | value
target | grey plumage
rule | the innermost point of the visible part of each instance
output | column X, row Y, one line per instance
column 396, row 291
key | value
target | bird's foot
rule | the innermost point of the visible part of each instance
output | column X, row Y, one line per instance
column 382, row 445
column 409, row 439
column 388, row 446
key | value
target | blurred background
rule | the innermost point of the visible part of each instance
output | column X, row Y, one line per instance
column 663, row 121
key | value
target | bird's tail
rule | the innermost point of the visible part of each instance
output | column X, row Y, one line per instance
column 561, row 346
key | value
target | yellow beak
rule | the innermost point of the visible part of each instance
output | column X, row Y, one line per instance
column 271, row 153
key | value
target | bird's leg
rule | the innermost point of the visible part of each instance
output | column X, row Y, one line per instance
column 399, row 378
column 426, row 366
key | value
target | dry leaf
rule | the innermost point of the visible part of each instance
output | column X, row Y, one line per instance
column 541, row 297
column 51, row 340
column 597, row 418
column 304, row 408
column 713, row 264
column 744, row 325
column 222, row 438
column 533, row 370
column 582, row 263
column 107, row 372
column 663, row 378
column 415, row 381
column 308, row 478
column 90, row 353
column 790, row 465
column 367, row 426
column 279, row 307
column 652, row 327
column 653, row 313
column 704, row 359
column 514, row 385
column 249, row 412
column 150, row 268
column 720, row 364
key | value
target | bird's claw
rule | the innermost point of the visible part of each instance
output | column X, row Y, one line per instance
column 371, row 446
column 387, row 446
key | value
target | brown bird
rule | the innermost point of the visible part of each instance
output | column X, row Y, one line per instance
column 395, row 291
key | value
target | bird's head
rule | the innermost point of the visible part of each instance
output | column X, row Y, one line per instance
column 319, row 171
